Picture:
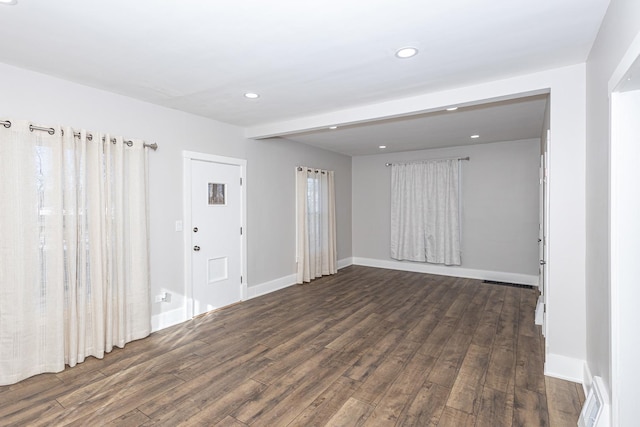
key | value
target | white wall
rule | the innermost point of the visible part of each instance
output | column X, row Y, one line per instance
column 499, row 210
column 270, row 175
column 620, row 27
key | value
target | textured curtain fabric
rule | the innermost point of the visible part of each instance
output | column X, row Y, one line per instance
column 425, row 212
column 74, row 263
column 316, row 224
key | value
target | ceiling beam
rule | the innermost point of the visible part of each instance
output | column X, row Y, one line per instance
column 500, row 90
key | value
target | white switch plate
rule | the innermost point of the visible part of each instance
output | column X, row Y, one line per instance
column 178, row 225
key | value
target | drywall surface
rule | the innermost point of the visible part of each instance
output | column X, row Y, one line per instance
column 271, row 190
column 499, row 204
column 620, row 27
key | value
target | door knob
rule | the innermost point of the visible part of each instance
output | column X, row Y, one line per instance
column 196, row 248
column 195, row 229
column 542, row 262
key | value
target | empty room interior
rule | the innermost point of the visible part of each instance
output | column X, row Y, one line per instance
column 326, row 213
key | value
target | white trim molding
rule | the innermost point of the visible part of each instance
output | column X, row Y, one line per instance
column 345, row 262
column 587, row 378
column 168, row 318
column 270, row 286
column 564, row 367
column 442, row 270
column 284, row 282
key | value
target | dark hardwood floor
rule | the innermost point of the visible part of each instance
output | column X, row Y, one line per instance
column 366, row 347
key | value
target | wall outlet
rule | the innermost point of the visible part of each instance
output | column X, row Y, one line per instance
column 163, row 297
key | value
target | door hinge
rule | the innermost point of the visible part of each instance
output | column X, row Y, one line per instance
column 240, row 181
column 240, row 279
column 241, row 231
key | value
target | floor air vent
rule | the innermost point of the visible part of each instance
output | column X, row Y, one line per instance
column 513, row 285
column 595, row 412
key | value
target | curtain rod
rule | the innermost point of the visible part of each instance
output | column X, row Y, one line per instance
column 310, row 169
column 432, row 160
column 51, row 131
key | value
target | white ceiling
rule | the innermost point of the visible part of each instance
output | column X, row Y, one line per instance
column 302, row 57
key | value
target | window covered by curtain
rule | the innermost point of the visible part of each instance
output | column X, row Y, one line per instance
column 74, row 263
column 316, row 224
column 425, row 212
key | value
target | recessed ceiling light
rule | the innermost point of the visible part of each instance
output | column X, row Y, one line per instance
column 475, row 136
column 406, row 52
column 382, row 146
column 251, row 95
column 452, row 108
column 9, row 2
column 333, row 127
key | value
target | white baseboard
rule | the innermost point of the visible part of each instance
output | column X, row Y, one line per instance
column 284, row 282
column 168, row 318
column 565, row 368
column 346, row 262
column 587, row 378
column 455, row 271
column 271, row 286
column 539, row 313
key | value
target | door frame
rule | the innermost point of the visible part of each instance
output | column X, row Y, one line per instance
column 187, row 158
column 622, row 316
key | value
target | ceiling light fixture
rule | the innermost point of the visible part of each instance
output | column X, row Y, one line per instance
column 9, row 2
column 406, row 52
column 333, row 127
column 475, row 136
column 382, row 146
column 251, row 95
column 452, row 108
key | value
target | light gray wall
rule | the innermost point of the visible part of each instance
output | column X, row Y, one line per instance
column 620, row 26
column 271, row 192
column 270, row 172
column 500, row 204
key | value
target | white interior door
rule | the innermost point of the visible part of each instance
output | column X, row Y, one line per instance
column 216, row 235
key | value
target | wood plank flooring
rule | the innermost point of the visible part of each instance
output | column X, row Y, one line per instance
column 365, row 347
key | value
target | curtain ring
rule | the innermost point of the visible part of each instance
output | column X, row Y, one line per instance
column 129, row 143
column 50, row 131
column 6, row 124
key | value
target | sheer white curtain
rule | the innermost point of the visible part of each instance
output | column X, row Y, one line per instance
column 425, row 212
column 74, row 272
column 316, row 224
